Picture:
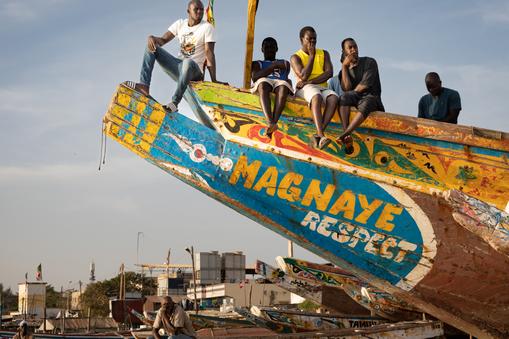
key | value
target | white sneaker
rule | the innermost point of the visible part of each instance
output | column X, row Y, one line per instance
column 170, row 107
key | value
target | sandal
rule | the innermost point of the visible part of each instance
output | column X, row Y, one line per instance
column 347, row 141
column 324, row 141
column 137, row 87
column 316, row 140
column 170, row 107
column 270, row 130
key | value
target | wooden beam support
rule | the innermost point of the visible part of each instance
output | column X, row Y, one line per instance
column 251, row 15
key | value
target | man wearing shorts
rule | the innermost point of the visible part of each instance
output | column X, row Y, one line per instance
column 271, row 75
column 361, row 85
column 313, row 68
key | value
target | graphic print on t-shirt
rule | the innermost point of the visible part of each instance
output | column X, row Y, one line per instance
column 188, row 45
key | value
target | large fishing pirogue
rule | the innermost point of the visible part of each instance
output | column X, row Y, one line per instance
column 416, row 210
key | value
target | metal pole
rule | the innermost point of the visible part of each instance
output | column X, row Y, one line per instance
column 191, row 252
column 62, row 308
column 88, row 320
column 44, row 319
column 194, row 281
column 1, row 304
column 138, row 247
column 290, row 248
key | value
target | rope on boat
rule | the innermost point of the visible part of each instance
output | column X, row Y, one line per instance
column 102, row 155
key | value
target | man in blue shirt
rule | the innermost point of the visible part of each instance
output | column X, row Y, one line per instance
column 271, row 75
column 441, row 104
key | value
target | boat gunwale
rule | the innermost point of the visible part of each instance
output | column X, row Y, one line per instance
column 414, row 126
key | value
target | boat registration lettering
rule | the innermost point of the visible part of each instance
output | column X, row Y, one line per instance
column 351, row 206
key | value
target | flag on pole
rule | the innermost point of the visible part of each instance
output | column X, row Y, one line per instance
column 38, row 274
column 210, row 13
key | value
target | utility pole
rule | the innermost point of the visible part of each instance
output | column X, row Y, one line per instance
column 168, row 263
column 62, row 312
column 138, row 247
column 191, row 252
column 1, row 304
column 290, row 248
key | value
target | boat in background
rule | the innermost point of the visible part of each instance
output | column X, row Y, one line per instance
column 379, row 302
column 315, row 321
column 330, row 298
column 284, row 326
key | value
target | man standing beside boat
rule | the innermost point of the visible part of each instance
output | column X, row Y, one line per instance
column 174, row 320
column 197, row 40
column 271, row 75
column 360, row 82
column 313, row 68
column 441, row 104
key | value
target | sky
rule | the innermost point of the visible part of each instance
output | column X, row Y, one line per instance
column 61, row 61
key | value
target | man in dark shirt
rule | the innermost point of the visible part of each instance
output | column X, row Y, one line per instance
column 271, row 75
column 361, row 85
column 441, row 104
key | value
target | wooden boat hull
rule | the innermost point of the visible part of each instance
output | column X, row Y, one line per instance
column 418, row 329
column 398, row 237
column 315, row 321
column 119, row 335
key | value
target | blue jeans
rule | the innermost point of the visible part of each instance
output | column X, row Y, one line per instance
column 182, row 71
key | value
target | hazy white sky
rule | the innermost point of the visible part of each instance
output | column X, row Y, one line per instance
column 61, row 60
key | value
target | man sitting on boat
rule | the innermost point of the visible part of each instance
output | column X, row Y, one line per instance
column 313, row 68
column 196, row 38
column 362, row 89
column 174, row 320
column 441, row 104
column 271, row 75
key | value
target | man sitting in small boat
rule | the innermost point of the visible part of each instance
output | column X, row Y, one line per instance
column 313, row 68
column 271, row 75
column 196, row 38
column 174, row 320
column 441, row 104
column 23, row 332
column 361, row 85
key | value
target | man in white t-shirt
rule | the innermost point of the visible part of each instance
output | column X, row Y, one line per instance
column 196, row 39
column 174, row 320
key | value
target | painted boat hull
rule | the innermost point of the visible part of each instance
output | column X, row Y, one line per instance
column 331, row 298
column 400, row 237
column 378, row 302
column 315, row 321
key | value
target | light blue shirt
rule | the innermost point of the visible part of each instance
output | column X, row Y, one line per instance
column 335, row 85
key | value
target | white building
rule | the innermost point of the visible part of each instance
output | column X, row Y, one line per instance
column 243, row 294
column 32, row 298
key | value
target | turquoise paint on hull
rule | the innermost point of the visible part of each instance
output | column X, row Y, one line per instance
column 208, row 161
